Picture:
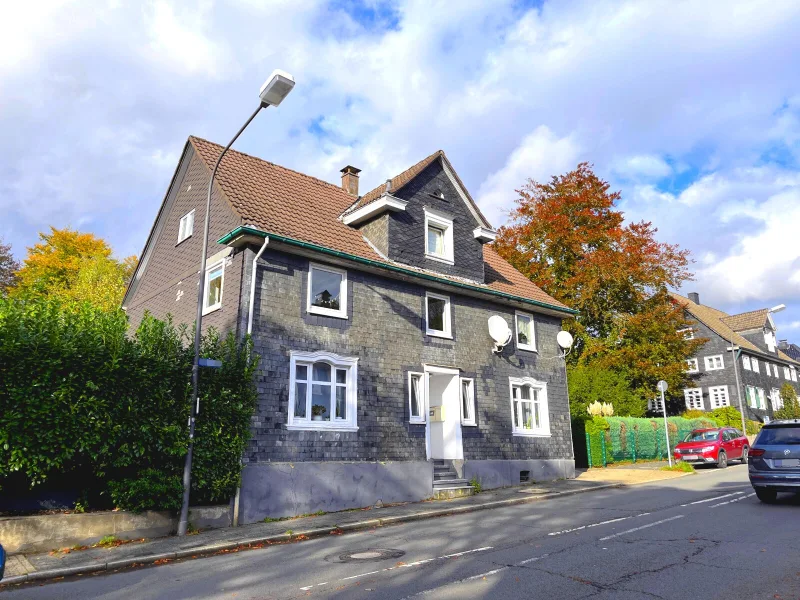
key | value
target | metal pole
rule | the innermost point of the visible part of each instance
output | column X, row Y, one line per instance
column 738, row 387
column 183, row 522
column 666, row 427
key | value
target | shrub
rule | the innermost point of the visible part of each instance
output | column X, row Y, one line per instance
column 791, row 406
column 694, row 414
column 151, row 489
column 589, row 384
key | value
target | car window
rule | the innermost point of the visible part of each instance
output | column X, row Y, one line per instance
column 776, row 436
column 701, row 436
column 726, row 436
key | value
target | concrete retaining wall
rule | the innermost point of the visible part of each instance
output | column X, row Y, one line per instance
column 291, row 489
column 48, row 532
column 503, row 473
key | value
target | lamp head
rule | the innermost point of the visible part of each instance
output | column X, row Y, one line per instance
column 778, row 308
column 276, row 88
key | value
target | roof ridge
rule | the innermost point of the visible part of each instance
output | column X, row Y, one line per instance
column 259, row 159
column 428, row 159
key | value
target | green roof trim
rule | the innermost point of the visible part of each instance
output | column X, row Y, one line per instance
column 244, row 230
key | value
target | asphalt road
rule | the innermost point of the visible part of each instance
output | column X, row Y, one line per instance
column 699, row 537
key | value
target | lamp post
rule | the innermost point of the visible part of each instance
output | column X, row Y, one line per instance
column 735, row 353
column 272, row 93
column 662, row 387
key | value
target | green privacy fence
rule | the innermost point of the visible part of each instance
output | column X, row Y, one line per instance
column 616, row 439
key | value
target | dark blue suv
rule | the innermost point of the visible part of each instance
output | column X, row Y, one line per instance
column 775, row 460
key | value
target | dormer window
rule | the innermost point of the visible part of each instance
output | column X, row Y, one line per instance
column 438, row 237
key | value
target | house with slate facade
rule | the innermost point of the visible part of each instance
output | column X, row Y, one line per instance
column 762, row 366
column 378, row 381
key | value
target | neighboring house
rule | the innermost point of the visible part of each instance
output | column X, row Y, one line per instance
column 763, row 367
column 791, row 350
column 370, row 316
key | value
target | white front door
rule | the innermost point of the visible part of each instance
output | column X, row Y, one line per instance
column 444, row 413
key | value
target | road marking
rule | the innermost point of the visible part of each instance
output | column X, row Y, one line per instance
column 608, row 537
column 582, row 527
column 401, row 566
column 712, row 499
column 734, row 500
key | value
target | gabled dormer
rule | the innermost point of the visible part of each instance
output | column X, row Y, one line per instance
column 423, row 218
column 757, row 327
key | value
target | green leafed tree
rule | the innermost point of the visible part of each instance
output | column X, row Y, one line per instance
column 791, row 405
column 8, row 268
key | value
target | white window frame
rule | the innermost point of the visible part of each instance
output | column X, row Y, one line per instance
column 775, row 370
column 754, row 362
column 182, row 227
column 786, row 373
column 693, row 398
column 467, row 419
column 688, row 333
column 654, row 404
column 718, row 396
column 341, row 313
column 532, row 346
column 423, row 407
column 777, row 401
column 710, row 362
column 448, row 329
column 209, row 308
column 762, row 398
column 350, row 423
column 750, row 396
column 544, row 411
column 440, row 221
column 793, row 373
column 692, row 365
column 746, row 363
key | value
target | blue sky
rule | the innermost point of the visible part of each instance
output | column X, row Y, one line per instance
column 691, row 109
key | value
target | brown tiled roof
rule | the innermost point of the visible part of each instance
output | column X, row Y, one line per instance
column 717, row 321
column 754, row 319
column 281, row 201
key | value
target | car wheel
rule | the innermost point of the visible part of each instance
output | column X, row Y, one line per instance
column 722, row 459
column 766, row 496
column 745, row 450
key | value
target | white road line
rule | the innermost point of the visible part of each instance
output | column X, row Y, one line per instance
column 402, row 566
column 582, row 527
column 712, row 499
column 731, row 501
column 608, row 537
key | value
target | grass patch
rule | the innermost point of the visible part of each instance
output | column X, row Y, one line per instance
column 680, row 466
column 476, row 485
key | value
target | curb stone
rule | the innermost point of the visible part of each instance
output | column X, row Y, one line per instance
column 209, row 549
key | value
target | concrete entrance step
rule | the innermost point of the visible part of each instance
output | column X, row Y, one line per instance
column 447, row 492
column 453, row 482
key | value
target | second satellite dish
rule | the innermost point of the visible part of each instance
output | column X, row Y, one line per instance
column 499, row 331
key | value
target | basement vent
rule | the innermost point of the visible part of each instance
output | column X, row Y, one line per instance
column 524, row 476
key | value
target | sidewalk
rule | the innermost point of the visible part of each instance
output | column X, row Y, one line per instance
column 35, row 567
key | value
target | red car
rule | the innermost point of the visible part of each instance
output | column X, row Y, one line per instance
column 713, row 446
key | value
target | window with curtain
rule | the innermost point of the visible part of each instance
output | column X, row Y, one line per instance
column 416, row 397
column 322, row 391
column 529, row 407
column 467, row 402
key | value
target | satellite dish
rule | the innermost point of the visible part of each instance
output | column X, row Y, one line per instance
column 499, row 331
column 564, row 339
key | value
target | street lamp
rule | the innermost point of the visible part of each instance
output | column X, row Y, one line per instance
column 734, row 350
column 662, row 387
column 272, row 93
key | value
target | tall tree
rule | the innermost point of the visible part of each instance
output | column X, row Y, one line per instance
column 8, row 268
column 74, row 266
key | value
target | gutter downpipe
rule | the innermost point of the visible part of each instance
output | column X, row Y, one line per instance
column 250, row 311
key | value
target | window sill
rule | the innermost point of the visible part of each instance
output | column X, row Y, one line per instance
column 183, row 240
column 539, row 434
column 321, row 427
column 439, row 334
column 324, row 312
column 468, row 424
column 526, row 348
column 417, row 422
column 441, row 259
column 211, row 309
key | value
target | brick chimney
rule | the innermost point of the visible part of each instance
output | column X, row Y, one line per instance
column 694, row 297
column 350, row 180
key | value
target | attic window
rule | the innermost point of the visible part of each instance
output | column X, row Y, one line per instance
column 438, row 193
column 438, row 237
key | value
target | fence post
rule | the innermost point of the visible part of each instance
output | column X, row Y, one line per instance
column 589, row 449
column 603, row 447
column 632, row 443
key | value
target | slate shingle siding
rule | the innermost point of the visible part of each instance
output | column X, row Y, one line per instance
column 407, row 228
column 705, row 379
column 385, row 330
column 173, row 268
column 377, row 232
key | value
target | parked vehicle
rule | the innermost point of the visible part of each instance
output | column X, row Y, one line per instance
column 775, row 464
column 2, row 561
column 719, row 445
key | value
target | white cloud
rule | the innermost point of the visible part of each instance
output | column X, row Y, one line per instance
column 643, row 166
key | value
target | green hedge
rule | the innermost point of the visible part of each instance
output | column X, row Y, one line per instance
column 82, row 401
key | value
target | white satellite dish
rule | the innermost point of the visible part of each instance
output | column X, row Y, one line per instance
column 564, row 340
column 499, row 331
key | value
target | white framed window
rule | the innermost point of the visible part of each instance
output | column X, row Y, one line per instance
column 714, row 363
column 437, row 315
column 529, row 410
column 688, row 333
column 467, row 402
column 416, row 398
column 214, row 280
column 327, row 291
column 692, row 366
column 654, row 404
column 186, row 226
column 694, row 398
column 762, row 398
column 754, row 362
column 438, row 237
column 775, row 370
column 786, row 373
column 526, row 334
column 718, row 396
column 322, row 391
column 750, row 395
column 746, row 363
column 793, row 372
column 775, row 396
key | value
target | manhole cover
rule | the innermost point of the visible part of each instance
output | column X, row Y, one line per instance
column 366, row 555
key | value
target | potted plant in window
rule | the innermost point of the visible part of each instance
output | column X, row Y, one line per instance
column 317, row 411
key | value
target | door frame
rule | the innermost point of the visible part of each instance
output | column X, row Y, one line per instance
column 455, row 372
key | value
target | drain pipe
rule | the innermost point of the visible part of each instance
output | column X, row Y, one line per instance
column 251, row 310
